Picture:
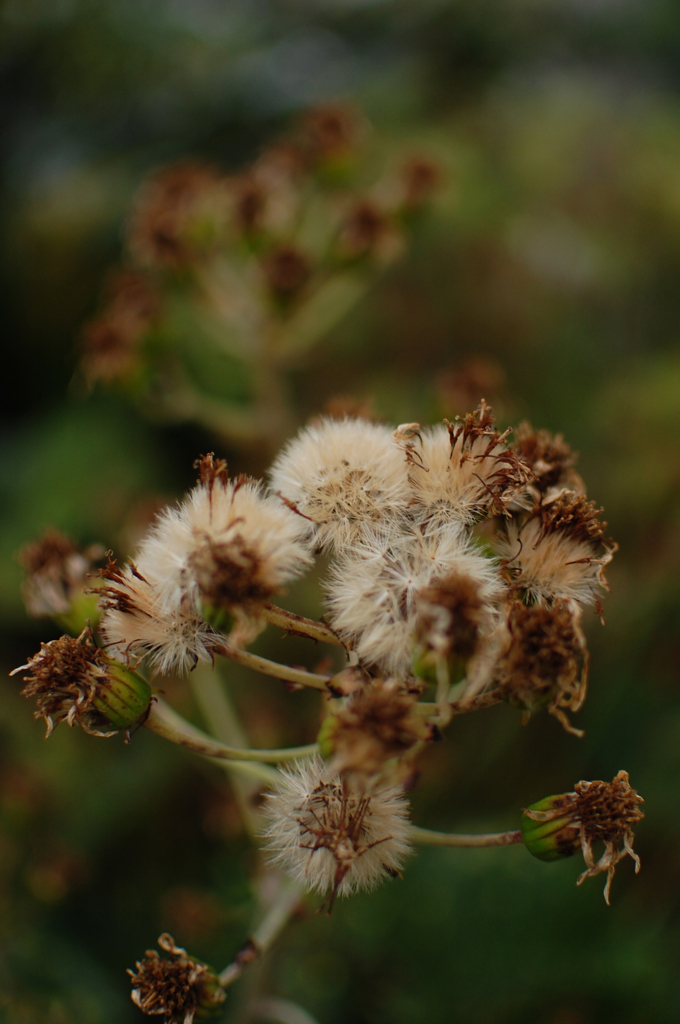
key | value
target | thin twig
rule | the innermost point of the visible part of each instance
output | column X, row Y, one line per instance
column 428, row 837
column 167, row 723
column 299, row 625
column 272, row 668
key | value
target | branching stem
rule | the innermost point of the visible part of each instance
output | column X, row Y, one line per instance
column 275, row 918
column 167, row 723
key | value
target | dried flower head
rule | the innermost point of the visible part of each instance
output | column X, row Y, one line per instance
column 229, row 545
column 55, row 573
column 545, row 660
column 595, row 812
column 463, row 471
column 179, row 988
column 550, row 460
column 74, row 681
column 137, row 623
column 111, row 342
column 342, row 476
column 377, row 723
column 329, row 838
column 374, row 587
column 179, row 214
column 559, row 551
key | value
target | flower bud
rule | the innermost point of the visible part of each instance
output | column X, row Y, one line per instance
column 182, row 988
column 596, row 812
column 73, row 680
column 547, row 837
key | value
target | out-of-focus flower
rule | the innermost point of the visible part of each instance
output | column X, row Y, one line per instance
column 56, row 571
column 179, row 216
column 181, row 988
column 595, row 812
column 286, row 271
column 74, row 681
column 329, row 838
column 111, row 343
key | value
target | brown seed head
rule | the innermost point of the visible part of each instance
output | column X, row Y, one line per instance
column 64, row 678
column 286, row 271
column 549, row 457
column 545, row 661
column 451, row 613
column 179, row 988
column 377, row 724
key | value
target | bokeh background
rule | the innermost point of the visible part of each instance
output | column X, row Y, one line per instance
column 545, row 277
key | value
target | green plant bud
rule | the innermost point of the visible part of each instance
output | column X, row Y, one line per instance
column 548, row 828
column 123, row 697
column 327, row 734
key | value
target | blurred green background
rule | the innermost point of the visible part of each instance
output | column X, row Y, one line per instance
column 547, row 278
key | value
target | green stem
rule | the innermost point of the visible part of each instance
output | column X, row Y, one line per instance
column 275, row 918
column 428, row 837
column 272, row 668
column 167, row 723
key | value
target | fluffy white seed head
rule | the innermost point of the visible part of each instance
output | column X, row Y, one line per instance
column 230, row 544
column 329, row 838
column 461, row 472
column 137, row 624
column 374, row 587
column 553, row 564
column 344, row 475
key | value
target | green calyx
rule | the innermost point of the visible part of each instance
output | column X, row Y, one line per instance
column 211, row 998
column 216, row 616
column 548, row 829
column 122, row 697
column 327, row 734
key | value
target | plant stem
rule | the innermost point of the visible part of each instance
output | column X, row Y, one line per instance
column 272, row 668
column 428, row 837
column 275, row 918
column 298, row 625
column 167, row 723
column 462, row 707
column 281, row 1011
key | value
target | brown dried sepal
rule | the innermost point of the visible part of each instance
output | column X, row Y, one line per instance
column 211, row 470
column 451, row 613
column 546, row 660
column 63, row 678
column 603, row 812
column 475, row 437
column 378, row 723
column 115, row 593
column 178, row 988
column 550, row 459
